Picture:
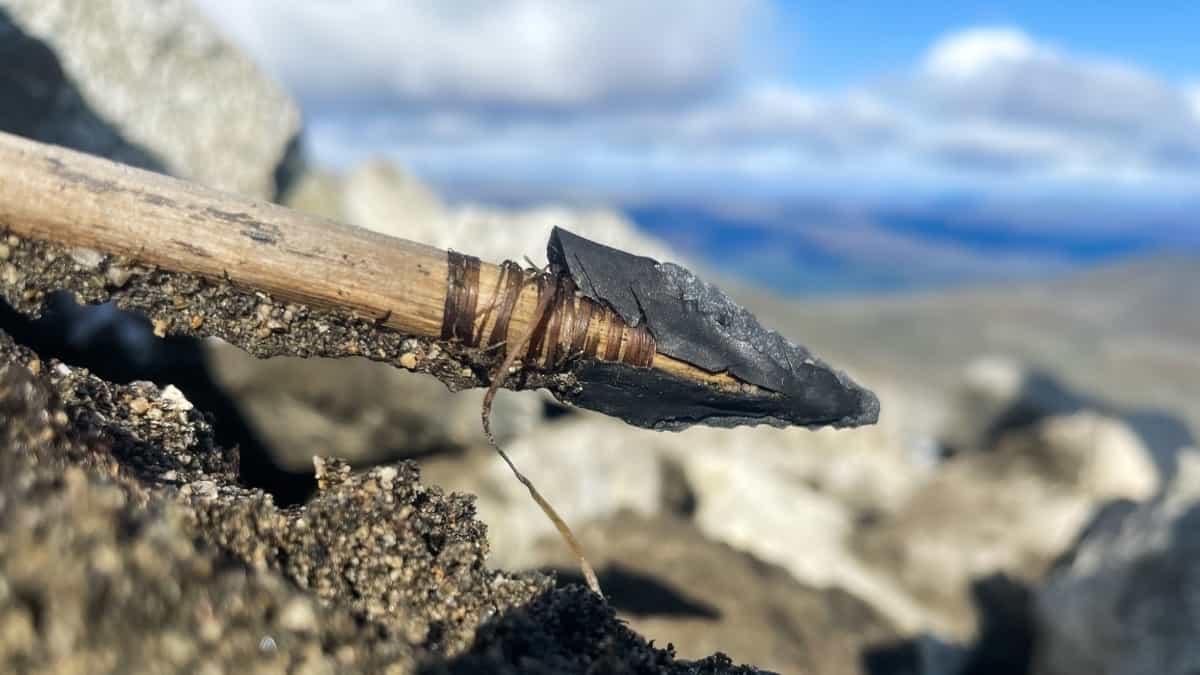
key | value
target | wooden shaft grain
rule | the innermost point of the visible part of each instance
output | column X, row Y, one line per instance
column 47, row 192
column 52, row 193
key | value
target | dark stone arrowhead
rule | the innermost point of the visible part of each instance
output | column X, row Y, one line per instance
column 693, row 321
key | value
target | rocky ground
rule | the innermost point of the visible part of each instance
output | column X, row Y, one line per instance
column 127, row 544
column 1023, row 506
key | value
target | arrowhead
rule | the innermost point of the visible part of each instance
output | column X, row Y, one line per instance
column 693, row 321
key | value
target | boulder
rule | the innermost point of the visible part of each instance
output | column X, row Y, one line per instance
column 1010, row 510
column 358, row 410
column 1124, row 600
column 997, row 394
column 381, row 196
column 789, row 497
column 149, row 83
column 584, row 475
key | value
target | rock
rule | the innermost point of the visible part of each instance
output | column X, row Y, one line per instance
column 383, row 197
column 1027, row 498
column 317, row 192
column 1123, row 601
column 674, row 585
column 1003, row 647
column 149, row 83
column 40, row 101
column 359, row 410
column 583, row 475
column 761, row 505
column 925, row 654
column 1100, row 456
column 87, row 257
column 790, row 497
column 175, row 398
column 998, row 394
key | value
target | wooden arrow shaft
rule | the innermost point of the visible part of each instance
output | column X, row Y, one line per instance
column 59, row 195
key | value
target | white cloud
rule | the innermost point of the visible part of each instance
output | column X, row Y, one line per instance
column 779, row 115
column 967, row 54
column 991, row 147
column 557, row 53
column 1002, row 101
column 1193, row 95
column 1003, row 75
column 628, row 96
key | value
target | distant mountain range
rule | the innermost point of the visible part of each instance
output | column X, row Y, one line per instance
column 820, row 250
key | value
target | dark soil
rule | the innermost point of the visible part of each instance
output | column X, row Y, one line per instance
column 128, row 544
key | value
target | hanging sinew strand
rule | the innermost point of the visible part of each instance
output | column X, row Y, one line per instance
column 560, row 329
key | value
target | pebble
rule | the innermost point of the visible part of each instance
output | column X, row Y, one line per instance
column 139, row 405
column 118, row 276
column 10, row 275
column 175, row 398
column 298, row 616
column 87, row 258
column 408, row 360
column 206, row 489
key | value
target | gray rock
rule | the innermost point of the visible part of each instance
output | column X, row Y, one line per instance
column 924, row 654
column 358, row 410
column 789, row 497
column 149, row 83
column 1010, row 510
column 584, row 475
column 39, row 100
column 998, row 394
column 1126, row 600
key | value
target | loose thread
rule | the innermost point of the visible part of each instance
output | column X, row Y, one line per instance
column 559, row 330
column 589, row 574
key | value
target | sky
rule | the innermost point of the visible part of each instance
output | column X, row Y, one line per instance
column 1016, row 121
column 853, row 40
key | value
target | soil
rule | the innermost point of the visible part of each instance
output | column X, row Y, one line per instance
column 127, row 544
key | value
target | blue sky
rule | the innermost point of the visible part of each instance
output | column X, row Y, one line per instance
column 998, row 136
column 838, row 42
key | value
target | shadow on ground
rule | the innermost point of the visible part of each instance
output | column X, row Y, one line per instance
column 121, row 347
column 637, row 594
column 570, row 630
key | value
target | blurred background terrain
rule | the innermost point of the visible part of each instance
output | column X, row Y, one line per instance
column 986, row 212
